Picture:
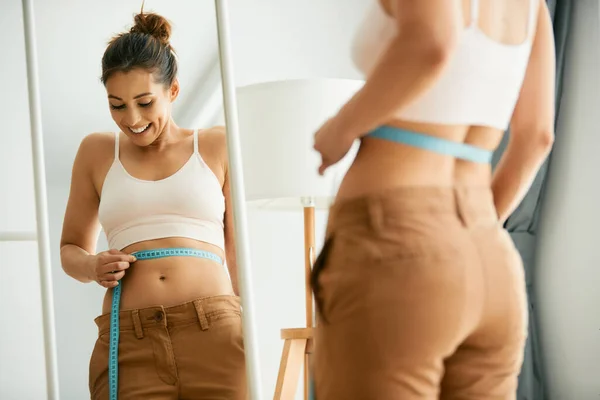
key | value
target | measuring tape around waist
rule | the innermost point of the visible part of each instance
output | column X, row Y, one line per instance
column 113, row 351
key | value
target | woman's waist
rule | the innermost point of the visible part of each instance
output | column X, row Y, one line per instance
column 486, row 137
column 177, row 266
column 170, row 280
column 428, row 155
column 175, row 243
column 423, row 153
column 378, row 168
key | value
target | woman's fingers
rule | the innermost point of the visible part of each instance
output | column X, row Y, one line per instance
column 109, row 284
column 114, row 267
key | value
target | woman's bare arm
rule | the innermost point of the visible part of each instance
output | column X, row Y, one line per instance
column 230, row 236
column 218, row 142
column 80, row 226
column 532, row 125
column 229, row 222
column 426, row 39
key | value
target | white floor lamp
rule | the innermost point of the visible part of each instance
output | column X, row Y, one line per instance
column 277, row 123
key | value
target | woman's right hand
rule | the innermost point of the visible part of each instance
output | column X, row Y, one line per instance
column 108, row 267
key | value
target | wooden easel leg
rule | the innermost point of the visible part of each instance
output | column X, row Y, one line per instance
column 309, row 252
column 306, row 376
column 292, row 359
column 295, row 354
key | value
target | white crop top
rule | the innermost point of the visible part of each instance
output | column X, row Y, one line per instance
column 189, row 204
column 481, row 84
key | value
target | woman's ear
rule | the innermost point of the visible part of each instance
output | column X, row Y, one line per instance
column 174, row 90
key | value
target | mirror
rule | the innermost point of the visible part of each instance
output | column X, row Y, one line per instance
column 85, row 103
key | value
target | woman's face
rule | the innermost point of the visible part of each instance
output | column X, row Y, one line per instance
column 139, row 105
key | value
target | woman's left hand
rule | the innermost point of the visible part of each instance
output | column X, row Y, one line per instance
column 332, row 143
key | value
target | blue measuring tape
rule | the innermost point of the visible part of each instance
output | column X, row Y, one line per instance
column 113, row 352
column 463, row 151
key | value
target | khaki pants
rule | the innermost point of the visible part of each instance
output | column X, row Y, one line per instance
column 191, row 351
column 421, row 295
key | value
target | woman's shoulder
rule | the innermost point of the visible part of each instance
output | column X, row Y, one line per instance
column 97, row 148
column 98, row 141
column 213, row 140
column 215, row 135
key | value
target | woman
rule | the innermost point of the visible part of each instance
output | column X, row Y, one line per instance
column 421, row 292
column 155, row 185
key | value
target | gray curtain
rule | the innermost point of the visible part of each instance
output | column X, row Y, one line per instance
column 523, row 223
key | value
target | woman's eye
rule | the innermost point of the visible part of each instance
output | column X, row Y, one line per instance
column 117, row 107
column 146, row 104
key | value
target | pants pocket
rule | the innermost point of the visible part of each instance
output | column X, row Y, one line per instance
column 223, row 318
column 318, row 266
column 98, row 368
column 226, row 333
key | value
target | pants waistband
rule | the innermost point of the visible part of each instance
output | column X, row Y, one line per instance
column 472, row 205
column 203, row 310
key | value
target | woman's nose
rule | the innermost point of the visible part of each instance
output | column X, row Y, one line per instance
column 131, row 118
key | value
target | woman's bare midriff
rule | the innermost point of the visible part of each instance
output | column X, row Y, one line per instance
column 382, row 164
column 171, row 280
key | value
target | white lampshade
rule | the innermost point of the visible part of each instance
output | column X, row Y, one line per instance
column 277, row 123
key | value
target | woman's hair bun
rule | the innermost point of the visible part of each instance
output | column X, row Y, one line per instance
column 153, row 24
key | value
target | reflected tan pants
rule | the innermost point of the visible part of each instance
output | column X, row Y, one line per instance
column 191, row 351
column 421, row 295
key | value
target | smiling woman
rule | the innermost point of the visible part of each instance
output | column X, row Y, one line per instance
column 144, row 48
column 161, row 194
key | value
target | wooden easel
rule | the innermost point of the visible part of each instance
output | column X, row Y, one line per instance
column 298, row 342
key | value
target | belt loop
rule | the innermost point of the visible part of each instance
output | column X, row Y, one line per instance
column 137, row 324
column 375, row 213
column 329, row 227
column 460, row 205
column 201, row 314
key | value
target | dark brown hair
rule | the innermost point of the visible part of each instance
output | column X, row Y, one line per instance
column 145, row 46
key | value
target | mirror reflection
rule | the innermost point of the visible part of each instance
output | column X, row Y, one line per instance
column 161, row 194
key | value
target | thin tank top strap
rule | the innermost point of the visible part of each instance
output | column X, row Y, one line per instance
column 530, row 20
column 117, row 134
column 474, row 12
column 196, row 141
column 533, row 12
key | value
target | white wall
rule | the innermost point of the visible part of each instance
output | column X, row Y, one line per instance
column 288, row 39
column 567, row 273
